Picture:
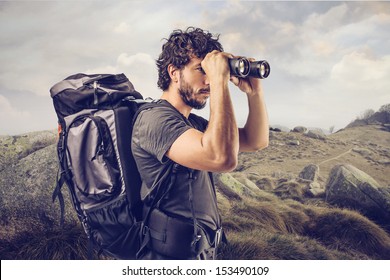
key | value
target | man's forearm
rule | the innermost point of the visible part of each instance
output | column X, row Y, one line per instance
column 255, row 134
column 221, row 135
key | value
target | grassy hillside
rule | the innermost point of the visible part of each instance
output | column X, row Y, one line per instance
column 267, row 210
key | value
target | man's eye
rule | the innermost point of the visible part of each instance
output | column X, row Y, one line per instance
column 200, row 69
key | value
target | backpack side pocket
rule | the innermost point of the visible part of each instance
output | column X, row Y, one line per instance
column 92, row 160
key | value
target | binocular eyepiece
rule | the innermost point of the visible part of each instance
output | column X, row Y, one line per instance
column 241, row 67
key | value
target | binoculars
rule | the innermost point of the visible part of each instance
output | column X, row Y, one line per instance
column 241, row 67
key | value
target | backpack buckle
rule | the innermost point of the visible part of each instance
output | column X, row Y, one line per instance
column 145, row 230
column 218, row 237
column 196, row 239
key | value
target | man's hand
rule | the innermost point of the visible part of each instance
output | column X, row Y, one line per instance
column 216, row 66
column 249, row 85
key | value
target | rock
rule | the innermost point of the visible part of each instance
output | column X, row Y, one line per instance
column 275, row 129
column 310, row 172
column 231, row 187
column 362, row 151
column 299, row 129
column 293, row 143
column 314, row 189
column 316, row 134
column 26, row 188
column 351, row 188
column 243, row 179
column 309, row 176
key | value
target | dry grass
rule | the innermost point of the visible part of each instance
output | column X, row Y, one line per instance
column 290, row 189
column 262, row 245
column 348, row 230
column 274, row 228
column 263, row 214
column 68, row 243
column 277, row 220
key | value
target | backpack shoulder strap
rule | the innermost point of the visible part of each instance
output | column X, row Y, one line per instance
column 159, row 103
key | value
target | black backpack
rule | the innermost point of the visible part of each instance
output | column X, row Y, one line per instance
column 95, row 117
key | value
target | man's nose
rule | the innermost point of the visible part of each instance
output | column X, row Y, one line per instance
column 206, row 80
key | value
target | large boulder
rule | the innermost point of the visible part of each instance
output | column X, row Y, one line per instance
column 351, row 188
column 26, row 186
column 235, row 188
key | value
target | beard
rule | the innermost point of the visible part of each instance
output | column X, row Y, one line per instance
column 188, row 95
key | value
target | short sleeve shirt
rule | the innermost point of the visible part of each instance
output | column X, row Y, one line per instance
column 155, row 130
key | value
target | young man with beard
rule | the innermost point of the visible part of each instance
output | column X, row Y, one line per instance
column 176, row 151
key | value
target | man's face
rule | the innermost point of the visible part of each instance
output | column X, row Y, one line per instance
column 194, row 88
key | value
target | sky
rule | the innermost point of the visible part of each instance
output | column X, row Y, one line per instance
column 330, row 60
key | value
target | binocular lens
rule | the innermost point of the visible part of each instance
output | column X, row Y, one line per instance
column 242, row 67
column 260, row 69
column 239, row 67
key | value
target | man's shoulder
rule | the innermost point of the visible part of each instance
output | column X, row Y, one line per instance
column 156, row 111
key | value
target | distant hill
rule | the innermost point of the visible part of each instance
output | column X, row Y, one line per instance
column 381, row 117
column 275, row 205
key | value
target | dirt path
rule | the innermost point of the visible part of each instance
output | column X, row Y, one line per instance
column 336, row 157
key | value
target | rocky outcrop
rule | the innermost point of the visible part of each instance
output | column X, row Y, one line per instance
column 378, row 118
column 26, row 186
column 351, row 188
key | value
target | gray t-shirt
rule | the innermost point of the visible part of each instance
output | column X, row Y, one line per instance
column 155, row 130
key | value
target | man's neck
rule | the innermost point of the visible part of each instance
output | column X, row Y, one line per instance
column 176, row 101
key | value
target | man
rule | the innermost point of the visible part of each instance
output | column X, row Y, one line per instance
column 175, row 150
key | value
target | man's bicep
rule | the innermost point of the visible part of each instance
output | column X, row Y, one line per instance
column 188, row 150
column 156, row 130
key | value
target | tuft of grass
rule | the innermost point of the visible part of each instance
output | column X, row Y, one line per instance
column 264, row 214
column 294, row 219
column 263, row 183
column 68, row 243
column 290, row 189
column 261, row 245
column 348, row 230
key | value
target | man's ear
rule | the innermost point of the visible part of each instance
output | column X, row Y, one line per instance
column 173, row 73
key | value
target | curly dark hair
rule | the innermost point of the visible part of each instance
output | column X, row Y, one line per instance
column 180, row 46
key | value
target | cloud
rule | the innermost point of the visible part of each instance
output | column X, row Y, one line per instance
column 362, row 67
column 10, row 117
column 141, row 70
column 135, row 60
column 123, row 27
column 7, row 111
